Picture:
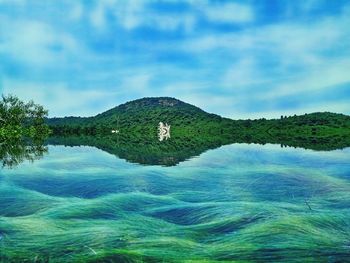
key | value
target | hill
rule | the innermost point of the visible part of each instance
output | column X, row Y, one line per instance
column 143, row 116
column 138, row 121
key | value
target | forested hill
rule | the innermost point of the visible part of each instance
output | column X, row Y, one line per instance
column 141, row 117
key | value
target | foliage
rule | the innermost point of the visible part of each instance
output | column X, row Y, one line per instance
column 138, row 120
column 15, row 151
column 18, row 119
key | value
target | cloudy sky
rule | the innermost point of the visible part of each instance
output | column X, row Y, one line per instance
column 240, row 59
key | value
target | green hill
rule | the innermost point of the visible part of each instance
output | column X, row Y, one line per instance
column 137, row 122
column 142, row 116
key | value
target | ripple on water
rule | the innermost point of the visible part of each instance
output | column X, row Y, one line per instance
column 248, row 208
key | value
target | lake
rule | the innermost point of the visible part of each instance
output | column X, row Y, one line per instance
column 239, row 202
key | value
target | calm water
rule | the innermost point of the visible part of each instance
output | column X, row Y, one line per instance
column 236, row 203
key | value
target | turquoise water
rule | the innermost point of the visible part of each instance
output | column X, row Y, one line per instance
column 237, row 203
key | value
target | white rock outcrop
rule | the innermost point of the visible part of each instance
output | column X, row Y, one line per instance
column 163, row 131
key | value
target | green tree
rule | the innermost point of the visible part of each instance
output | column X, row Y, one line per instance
column 18, row 118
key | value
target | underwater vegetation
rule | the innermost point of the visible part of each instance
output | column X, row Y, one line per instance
column 238, row 203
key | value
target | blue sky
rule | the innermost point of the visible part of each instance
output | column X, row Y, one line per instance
column 240, row 59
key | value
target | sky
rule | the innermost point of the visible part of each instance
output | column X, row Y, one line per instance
column 239, row 59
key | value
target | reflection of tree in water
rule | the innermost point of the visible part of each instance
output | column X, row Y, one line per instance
column 13, row 152
column 22, row 131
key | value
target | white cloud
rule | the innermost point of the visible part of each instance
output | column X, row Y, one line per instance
column 228, row 13
column 134, row 14
column 59, row 99
column 283, row 39
column 138, row 17
column 300, row 57
column 325, row 75
column 137, row 83
column 63, row 100
column 242, row 73
column 76, row 11
column 161, row 22
column 34, row 42
column 131, row 14
column 97, row 15
column 212, row 68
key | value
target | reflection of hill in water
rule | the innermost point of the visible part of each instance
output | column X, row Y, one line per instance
column 193, row 131
column 149, row 151
column 142, row 150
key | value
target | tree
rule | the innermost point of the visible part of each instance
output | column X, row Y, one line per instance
column 18, row 118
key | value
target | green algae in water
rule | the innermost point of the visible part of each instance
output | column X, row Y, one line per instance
column 238, row 203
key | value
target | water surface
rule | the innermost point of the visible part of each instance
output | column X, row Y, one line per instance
column 237, row 203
